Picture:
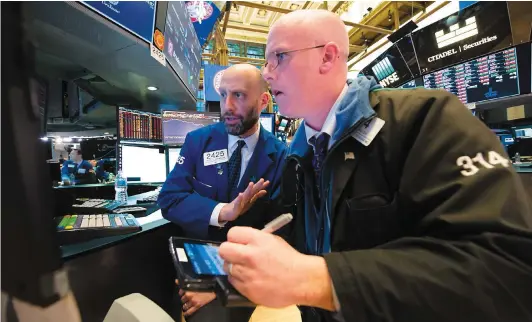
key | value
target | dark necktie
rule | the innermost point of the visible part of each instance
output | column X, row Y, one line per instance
column 234, row 166
column 320, row 144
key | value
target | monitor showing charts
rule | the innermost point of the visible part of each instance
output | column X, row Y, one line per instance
column 177, row 124
column 481, row 79
column 267, row 120
column 474, row 31
column 143, row 163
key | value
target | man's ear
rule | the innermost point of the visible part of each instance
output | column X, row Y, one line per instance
column 264, row 100
column 331, row 54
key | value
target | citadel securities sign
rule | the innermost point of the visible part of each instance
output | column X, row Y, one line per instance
column 461, row 48
column 477, row 30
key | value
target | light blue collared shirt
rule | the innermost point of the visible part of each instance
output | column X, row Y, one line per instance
column 330, row 122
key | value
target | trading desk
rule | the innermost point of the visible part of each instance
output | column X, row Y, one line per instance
column 105, row 269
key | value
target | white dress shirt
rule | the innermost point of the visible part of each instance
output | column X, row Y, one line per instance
column 247, row 153
column 330, row 122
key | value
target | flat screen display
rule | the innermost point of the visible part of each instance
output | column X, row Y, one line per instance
column 389, row 69
column 267, row 120
column 138, row 17
column 181, row 45
column 205, row 259
column 484, row 78
column 176, row 124
column 409, row 84
column 173, row 154
column 405, row 46
column 523, row 132
column 478, row 29
column 145, row 164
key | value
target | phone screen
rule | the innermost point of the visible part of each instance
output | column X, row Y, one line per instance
column 205, row 259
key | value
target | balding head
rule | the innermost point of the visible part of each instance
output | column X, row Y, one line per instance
column 318, row 27
column 306, row 65
column 243, row 95
column 248, row 73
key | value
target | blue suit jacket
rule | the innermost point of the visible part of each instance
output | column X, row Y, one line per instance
column 192, row 190
column 70, row 167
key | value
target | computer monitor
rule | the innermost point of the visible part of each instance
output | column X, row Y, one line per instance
column 523, row 131
column 284, row 124
column 267, row 120
column 143, row 163
column 173, row 154
column 177, row 124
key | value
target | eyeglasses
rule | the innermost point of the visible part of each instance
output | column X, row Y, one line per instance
column 277, row 58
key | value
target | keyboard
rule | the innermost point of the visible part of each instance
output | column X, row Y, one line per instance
column 80, row 228
column 95, row 206
column 151, row 198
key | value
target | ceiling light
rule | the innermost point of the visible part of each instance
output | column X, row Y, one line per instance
column 152, row 88
column 44, row 138
column 67, row 140
column 106, row 133
column 58, row 140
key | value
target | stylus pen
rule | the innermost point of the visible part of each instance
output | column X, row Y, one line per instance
column 277, row 223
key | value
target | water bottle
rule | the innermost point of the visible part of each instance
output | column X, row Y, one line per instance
column 517, row 158
column 120, row 188
column 72, row 179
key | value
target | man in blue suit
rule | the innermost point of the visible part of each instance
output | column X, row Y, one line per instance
column 81, row 170
column 225, row 174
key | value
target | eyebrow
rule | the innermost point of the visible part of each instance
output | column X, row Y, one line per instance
column 240, row 90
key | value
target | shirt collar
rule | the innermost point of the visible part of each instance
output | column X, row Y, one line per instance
column 330, row 122
column 251, row 141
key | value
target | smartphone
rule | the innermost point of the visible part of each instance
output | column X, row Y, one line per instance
column 200, row 269
column 196, row 262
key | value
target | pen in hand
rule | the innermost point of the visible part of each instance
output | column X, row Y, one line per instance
column 277, row 223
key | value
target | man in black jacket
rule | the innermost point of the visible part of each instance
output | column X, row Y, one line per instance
column 406, row 206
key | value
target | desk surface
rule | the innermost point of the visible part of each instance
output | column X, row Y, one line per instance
column 111, row 184
column 149, row 222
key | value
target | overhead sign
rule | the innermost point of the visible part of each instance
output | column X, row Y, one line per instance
column 138, row 17
column 212, row 75
column 474, row 31
column 203, row 26
column 389, row 69
column 157, row 46
column 181, row 45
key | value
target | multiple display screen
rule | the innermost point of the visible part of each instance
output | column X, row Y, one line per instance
column 488, row 77
column 480, row 28
column 176, row 125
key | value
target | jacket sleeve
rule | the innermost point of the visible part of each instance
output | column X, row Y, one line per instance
column 178, row 200
column 469, row 255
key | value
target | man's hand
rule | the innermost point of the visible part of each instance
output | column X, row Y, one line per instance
column 243, row 201
column 269, row 272
column 193, row 301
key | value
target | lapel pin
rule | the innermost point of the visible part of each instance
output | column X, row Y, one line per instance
column 220, row 169
column 253, row 179
column 349, row 156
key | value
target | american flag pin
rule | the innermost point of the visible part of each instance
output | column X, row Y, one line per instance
column 349, row 156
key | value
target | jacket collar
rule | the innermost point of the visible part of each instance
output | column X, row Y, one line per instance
column 354, row 106
column 266, row 140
